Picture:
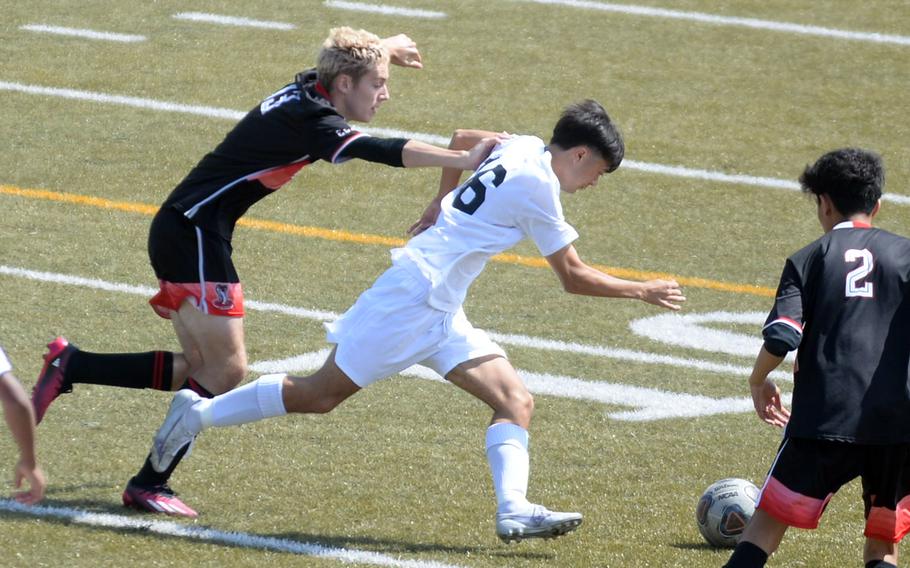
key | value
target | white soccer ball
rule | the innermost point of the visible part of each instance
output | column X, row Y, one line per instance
column 724, row 509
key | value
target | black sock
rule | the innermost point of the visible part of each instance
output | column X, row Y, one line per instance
column 152, row 370
column 147, row 475
column 747, row 555
column 879, row 564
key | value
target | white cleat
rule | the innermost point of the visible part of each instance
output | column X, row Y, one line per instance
column 174, row 434
column 538, row 522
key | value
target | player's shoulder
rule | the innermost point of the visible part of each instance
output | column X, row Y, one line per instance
column 525, row 158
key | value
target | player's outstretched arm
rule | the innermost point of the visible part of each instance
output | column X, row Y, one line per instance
column 462, row 140
column 403, row 51
column 579, row 278
column 765, row 394
column 20, row 417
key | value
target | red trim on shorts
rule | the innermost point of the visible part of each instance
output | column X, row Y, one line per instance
column 887, row 525
column 221, row 298
column 158, row 370
column 790, row 507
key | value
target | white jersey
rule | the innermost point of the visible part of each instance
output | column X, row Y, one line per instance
column 514, row 194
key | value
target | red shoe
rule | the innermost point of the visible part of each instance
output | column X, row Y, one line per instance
column 156, row 499
column 51, row 382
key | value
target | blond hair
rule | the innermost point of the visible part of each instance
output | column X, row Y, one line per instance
column 350, row 52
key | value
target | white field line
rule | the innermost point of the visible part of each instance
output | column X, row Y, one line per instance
column 319, row 315
column 215, row 112
column 384, row 9
column 87, row 34
column 197, row 533
column 647, row 404
column 714, row 19
column 232, row 21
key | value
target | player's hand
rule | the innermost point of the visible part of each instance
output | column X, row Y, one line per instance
column 428, row 219
column 481, row 150
column 36, row 483
column 663, row 293
column 403, row 51
column 768, row 404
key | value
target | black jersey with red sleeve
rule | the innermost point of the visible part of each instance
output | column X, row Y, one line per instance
column 290, row 129
column 844, row 301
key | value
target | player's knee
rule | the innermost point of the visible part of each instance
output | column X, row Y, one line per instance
column 520, row 405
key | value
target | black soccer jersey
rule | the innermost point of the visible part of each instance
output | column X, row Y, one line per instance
column 290, row 129
column 844, row 300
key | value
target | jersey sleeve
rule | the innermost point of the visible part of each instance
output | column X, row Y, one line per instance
column 539, row 216
column 783, row 329
column 329, row 135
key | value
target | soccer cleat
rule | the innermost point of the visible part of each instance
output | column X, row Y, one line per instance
column 539, row 522
column 174, row 434
column 51, row 382
column 156, row 499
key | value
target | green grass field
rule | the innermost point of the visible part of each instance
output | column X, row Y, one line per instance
column 399, row 470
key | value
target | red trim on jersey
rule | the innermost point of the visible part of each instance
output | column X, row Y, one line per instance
column 890, row 526
column 861, row 225
column 276, row 177
column 344, row 144
column 221, row 298
column 788, row 321
column 321, row 90
column 789, row 507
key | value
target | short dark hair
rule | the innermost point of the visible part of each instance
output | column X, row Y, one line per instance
column 586, row 123
column 852, row 177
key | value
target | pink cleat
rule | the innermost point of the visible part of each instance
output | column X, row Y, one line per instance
column 51, row 382
column 156, row 499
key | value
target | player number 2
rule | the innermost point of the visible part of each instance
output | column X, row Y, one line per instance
column 854, row 289
column 475, row 189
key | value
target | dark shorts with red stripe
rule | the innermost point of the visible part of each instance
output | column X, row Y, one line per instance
column 192, row 264
column 807, row 473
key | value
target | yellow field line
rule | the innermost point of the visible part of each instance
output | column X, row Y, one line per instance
column 367, row 239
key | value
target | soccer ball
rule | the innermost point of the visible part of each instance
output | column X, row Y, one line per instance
column 724, row 510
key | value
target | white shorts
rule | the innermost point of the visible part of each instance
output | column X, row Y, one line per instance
column 5, row 365
column 391, row 327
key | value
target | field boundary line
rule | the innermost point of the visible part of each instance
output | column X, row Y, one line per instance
column 82, row 33
column 384, row 9
column 205, row 534
column 370, row 239
column 714, row 19
column 229, row 114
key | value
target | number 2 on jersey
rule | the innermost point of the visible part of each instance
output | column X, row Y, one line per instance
column 478, row 184
column 853, row 288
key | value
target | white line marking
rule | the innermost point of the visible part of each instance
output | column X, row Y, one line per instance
column 88, row 34
column 198, row 533
column 215, row 112
column 647, row 404
column 319, row 315
column 730, row 21
column 232, row 21
column 383, row 9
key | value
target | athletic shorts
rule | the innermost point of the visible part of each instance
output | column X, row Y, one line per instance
column 391, row 327
column 5, row 365
column 192, row 263
column 807, row 473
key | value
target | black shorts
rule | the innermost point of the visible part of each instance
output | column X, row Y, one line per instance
column 192, row 264
column 807, row 473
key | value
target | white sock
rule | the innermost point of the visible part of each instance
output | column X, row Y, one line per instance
column 507, row 452
column 253, row 401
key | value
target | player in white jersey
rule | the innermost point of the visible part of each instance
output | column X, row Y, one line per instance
column 17, row 409
column 412, row 313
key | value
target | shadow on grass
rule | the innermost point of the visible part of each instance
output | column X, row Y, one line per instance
column 699, row 546
column 72, row 512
